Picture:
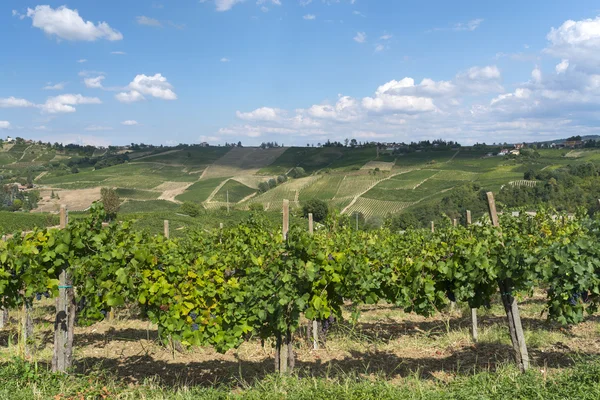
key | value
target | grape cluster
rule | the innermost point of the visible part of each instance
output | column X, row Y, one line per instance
column 327, row 323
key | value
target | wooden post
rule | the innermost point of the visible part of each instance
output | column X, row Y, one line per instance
column 510, row 305
column 284, row 352
column 228, row 202
column 432, row 227
column 27, row 330
column 313, row 325
column 166, row 228
column 474, row 331
column 3, row 311
column 64, row 322
column 455, row 222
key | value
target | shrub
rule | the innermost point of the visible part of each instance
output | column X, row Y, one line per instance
column 191, row 209
column 297, row 172
column 263, row 187
column 281, row 179
column 111, row 201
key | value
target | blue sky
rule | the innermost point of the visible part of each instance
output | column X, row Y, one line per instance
column 298, row 71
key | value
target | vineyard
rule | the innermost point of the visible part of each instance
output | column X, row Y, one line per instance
column 230, row 286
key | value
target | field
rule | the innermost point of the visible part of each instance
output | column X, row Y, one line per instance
column 388, row 354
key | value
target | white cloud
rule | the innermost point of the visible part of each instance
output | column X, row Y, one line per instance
column 129, row 97
column 260, row 114
column 56, row 86
column 82, row 60
column 225, row 5
column 379, row 47
column 480, row 79
column 562, row 66
column 65, row 102
column 578, row 41
column 66, row 24
column 386, row 37
column 155, row 86
column 41, row 128
column 304, row 3
column 360, row 37
column 94, row 83
column 15, row 13
column 309, row 17
column 225, row 59
column 15, row 102
column 469, row 26
column 520, row 93
column 129, row 122
column 98, row 128
column 4, row 125
column 147, row 21
column 359, row 14
column 120, row 53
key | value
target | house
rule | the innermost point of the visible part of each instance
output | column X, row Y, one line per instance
column 503, row 152
column 519, row 146
column 9, row 139
column 573, row 144
column 515, row 152
column 203, row 144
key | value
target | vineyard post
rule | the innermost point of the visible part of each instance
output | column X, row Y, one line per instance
column 64, row 323
column 455, row 222
column 313, row 326
column 510, row 305
column 432, row 227
column 166, row 228
column 473, row 310
column 284, row 352
column 3, row 311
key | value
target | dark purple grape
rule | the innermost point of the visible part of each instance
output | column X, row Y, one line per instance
column 450, row 295
column 193, row 315
column 38, row 296
column 103, row 312
column 330, row 257
column 46, row 295
column 585, row 296
column 194, row 327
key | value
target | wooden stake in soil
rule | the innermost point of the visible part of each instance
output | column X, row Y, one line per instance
column 64, row 322
column 510, row 305
column 313, row 326
column 284, row 352
column 474, row 331
column 432, row 227
column 3, row 311
column 166, row 228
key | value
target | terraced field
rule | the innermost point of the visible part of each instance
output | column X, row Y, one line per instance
column 289, row 190
column 199, row 191
column 352, row 185
column 233, row 190
column 376, row 208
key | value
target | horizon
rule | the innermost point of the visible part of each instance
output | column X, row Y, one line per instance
column 298, row 71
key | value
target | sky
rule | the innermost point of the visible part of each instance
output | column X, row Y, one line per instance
column 165, row 72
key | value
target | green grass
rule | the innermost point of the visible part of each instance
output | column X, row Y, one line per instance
column 137, row 194
column 134, row 206
column 199, row 191
column 20, row 380
column 11, row 222
column 6, row 158
column 236, row 191
column 313, row 159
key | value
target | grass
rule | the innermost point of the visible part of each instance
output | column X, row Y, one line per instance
column 190, row 157
column 11, row 222
column 235, row 190
column 199, row 191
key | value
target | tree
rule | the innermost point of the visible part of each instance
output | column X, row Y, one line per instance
column 263, row 187
column 272, row 183
column 111, row 201
column 239, row 144
column 191, row 209
column 353, row 143
column 281, row 179
column 318, row 208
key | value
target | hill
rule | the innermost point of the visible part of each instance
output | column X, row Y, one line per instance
column 349, row 179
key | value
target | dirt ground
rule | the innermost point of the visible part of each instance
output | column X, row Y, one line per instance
column 75, row 200
column 386, row 343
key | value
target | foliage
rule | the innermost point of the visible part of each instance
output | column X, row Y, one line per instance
column 191, row 209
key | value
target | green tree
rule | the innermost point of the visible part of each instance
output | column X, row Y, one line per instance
column 318, row 208
column 191, row 209
column 111, row 202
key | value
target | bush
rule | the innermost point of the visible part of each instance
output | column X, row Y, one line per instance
column 272, row 183
column 191, row 209
column 297, row 172
column 281, row 179
column 317, row 207
column 263, row 187
column 111, row 201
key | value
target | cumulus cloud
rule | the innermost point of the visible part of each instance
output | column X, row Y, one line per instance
column 578, row 41
column 468, row 26
column 65, row 103
column 66, row 24
column 155, row 86
column 260, row 114
column 224, row 60
column 56, row 86
column 4, row 125
column 129, row 122
column 224, row 5
column 309, row 17
column 94, row 83
column 119, row 53
column 562, row 66
column 11, row 102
